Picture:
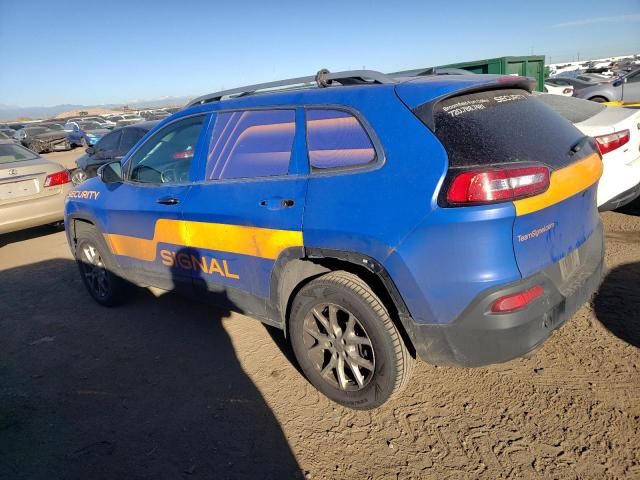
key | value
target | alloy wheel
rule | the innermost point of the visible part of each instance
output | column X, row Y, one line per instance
column 94, row 271
column 339, row 347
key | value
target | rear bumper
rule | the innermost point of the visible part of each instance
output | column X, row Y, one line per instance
column 35, row 212
column 478, row 337
column 621, row 200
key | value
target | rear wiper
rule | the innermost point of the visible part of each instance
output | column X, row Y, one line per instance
column 579, row 146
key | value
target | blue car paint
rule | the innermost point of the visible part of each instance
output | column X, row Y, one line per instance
column 551, row 246
column 91, row 136
column 439, row 259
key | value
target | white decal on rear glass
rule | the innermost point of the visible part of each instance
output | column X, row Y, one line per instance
column 465, row 107
column 509, row 98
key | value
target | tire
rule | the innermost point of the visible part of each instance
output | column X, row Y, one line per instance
column 78, row 176
column 97, row 270
column 360, row 339
column 598, row 99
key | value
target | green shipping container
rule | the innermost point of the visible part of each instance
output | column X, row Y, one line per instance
column 530, row 66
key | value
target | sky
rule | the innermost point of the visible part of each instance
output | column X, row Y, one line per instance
column 92, row 53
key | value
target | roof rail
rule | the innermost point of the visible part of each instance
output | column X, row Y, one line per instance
column 324, row 78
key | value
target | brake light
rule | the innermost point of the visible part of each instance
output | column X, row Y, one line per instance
column 58, row 178
column 612, row 141
column 497, row 185
column 516, row 301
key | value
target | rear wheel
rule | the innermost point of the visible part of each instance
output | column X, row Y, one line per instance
column 598, row 99
column 97, row 270
column 346, row 343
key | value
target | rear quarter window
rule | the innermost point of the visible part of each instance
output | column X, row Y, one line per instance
column 336, row 139
column 503, row 126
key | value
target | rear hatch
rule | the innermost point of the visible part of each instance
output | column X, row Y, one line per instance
column 23, row 175
column 509, row 129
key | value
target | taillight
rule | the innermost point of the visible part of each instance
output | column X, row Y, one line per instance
column 608, row 143
column 497, row 184
column 58, row 178
column 516, row 301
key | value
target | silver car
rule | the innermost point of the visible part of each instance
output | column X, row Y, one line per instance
column 32, row 188
column 622, row 89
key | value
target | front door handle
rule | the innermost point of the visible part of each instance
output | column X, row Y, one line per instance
column 168, row 201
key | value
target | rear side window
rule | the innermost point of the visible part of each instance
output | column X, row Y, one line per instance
column 253, row 143
column 502, row 126
column 336, row 139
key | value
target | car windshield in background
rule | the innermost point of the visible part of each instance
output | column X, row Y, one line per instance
column 89, row 125
column 37, row 130
column 54, row 126
column 575, row 110
column 12, row 152
column 488, row 128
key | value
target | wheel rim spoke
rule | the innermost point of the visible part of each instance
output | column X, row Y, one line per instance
column 333, row 320
column 342, row 375
column 321, row 338
column 321, row 318
column 362, row 362
column 357, row 374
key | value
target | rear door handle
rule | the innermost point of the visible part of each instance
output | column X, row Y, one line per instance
column 168, row 201
column 277, row 203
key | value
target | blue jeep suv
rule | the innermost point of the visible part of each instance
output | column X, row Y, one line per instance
column 373, row 219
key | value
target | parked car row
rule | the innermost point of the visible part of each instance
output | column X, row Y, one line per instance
column 622, row 88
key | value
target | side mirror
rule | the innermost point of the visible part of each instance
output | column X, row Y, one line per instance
column 90, row 150
column 110, row 172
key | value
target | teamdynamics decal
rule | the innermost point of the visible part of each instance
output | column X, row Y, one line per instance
column 84, row 194
column 536, row 233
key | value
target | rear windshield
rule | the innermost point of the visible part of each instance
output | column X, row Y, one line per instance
column 503, row 126
column 575, row 110
column 11, row 152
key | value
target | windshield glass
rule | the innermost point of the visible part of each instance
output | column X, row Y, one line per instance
column 573, row 109
column 11, row 152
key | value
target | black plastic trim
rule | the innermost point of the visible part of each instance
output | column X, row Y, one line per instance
column 478, row 337
column 621, row 200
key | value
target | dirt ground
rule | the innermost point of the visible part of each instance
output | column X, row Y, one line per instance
column 167, row 388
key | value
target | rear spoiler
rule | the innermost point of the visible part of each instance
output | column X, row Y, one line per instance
column 425, row 111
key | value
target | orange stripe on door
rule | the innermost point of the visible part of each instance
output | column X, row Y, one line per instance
column 254, row 241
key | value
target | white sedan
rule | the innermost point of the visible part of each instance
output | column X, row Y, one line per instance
column 616, row 131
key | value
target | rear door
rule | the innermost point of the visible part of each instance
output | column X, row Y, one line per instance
column 631, row 89
column 247, row 209
column 499, row 127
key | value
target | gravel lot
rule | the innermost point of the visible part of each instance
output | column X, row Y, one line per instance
column 166, row 388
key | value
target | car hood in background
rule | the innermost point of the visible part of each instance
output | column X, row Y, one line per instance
column 97, row 132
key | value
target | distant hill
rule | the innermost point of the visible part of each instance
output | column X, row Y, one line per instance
column 11, row 112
